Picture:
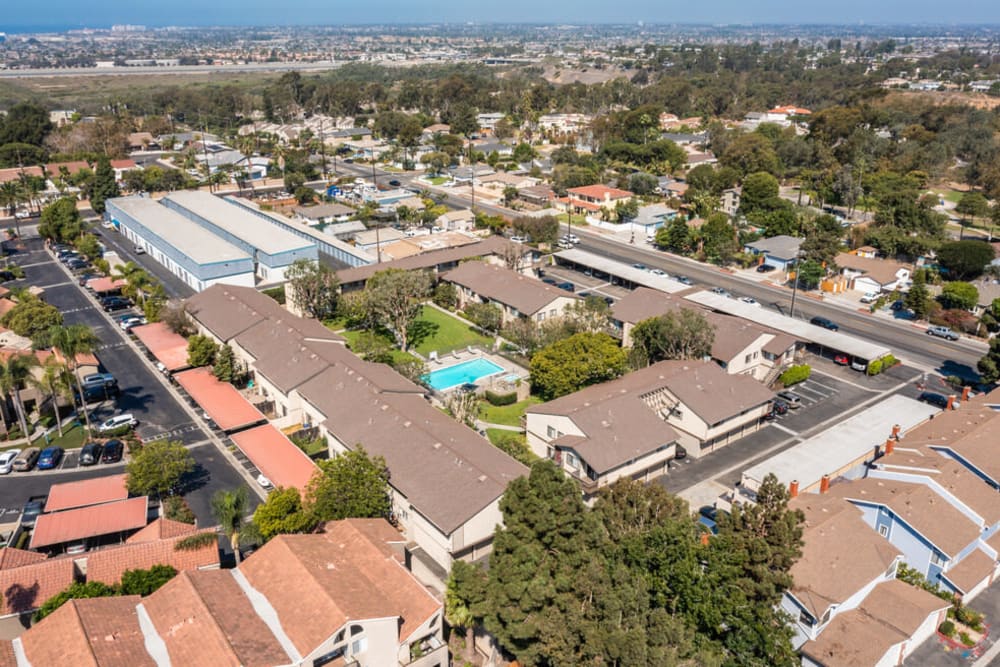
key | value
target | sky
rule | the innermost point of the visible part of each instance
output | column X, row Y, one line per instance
column 101, row 13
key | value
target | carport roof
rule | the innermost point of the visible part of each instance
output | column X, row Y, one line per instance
column 170, row 349
column 842, row 444
column 276, row 456
column 224, row 405
column 86, row 492
column 93, row 521
column 834, row 340
column 621, row 270
column 105, row 284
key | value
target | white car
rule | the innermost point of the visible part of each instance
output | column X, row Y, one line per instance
column 572, row 238
column 518, row 239
column 130, row 322
column 116, row 422
column 750, row 300
column 7, row 460
column 869, row 297
column 659, row 272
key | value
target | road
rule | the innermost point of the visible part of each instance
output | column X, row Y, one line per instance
column 907, row 342
column 75, row 72
column 142, row 393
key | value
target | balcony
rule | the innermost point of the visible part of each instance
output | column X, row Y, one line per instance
column 428, row 651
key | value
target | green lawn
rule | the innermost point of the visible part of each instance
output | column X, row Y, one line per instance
column 514, row 444
column 508, row 415
column 73, row 438
column 435, row 330
column 437, row 180
column 352, row 335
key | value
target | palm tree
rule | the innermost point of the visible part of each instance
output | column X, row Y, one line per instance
column 72, row 341
column 14, row 372
column 137, row 279
column 229, row 508
column 54, row 382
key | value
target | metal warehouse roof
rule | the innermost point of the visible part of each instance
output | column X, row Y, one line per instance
column 622, row 270
column 187, row 236
column 842, row 444
column 239, row 222
column 834, row 340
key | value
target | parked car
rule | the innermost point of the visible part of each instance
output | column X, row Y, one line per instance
column 869, row 297
column 118, row 421
column 127, row 324
column 765, row 268
column 98, row 379
column 7, row 276
column 568, row 286
column 721, row 292
column 659, row 272
column 859, row 365
column 841, row 360
column 940, row 400
column 779, row 407
column 31, row 510
column 7, row 460
column 77, row 264
column 518, row 239
column 825, row 323
column 26, row 460
column 942, row 332
column 550, row 281
column 749, row 300
column 50, row 458
column 572, row 238
column 113, row 451
column 794, row 400
column 641, row 267
column 394, row 183
column 97, row 392
column 112, row 303
column 83, row 278
column 684, row 280
column 139, row 250
column 91, row 453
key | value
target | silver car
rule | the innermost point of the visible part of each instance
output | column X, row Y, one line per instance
column 7, row 460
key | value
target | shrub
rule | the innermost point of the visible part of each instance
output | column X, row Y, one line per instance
column 888, row 361
column 795, row 374
column 177, row 509
column 874, row 367
column 501, row 399
column 971, row 618
column 947, row 629
column 966, row 639
column 195, row 542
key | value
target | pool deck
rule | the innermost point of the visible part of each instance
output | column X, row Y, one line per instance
column 500, row 382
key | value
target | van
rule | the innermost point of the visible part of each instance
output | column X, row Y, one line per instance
column 26, row 460
column 117, row 422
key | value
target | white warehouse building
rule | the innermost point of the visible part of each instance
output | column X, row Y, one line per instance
column 272, row 248
column 188, row 250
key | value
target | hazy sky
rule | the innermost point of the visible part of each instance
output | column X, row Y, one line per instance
column 98, row 13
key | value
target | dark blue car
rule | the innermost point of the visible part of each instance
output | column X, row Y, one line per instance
column 49, row 458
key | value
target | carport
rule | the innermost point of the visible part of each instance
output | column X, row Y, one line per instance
column 276, row 456
column 170, row 349
column 624, row 273
column 810, row 333
column 86, row 492
column 89, row 522
column 220, row 400
column 106, row 285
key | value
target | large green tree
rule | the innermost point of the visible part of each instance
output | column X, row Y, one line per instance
column 15, row 371
column 61, row 220
column 959, row 294
column 31, row 317
column 989, row 364
column 965, row 260
column 573, row 363
column 157, row 467
column 282, row 513
column 105, row 186
column 681, row 334
column 350, row 485
column 313, row 288
column 394, row 297
column 918, row 298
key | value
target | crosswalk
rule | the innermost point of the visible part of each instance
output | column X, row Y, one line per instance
column 175, row 433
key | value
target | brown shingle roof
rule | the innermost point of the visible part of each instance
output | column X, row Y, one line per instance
column 103, row 632
column 882, row 271
column 446, row 470
column 205, row 618
column 841, row 554
column 973, row 569
column 527, row 295
column 492, row 245
column 713, row 394
column 326, row 582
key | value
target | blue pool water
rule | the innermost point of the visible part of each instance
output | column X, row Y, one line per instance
column 467, row 371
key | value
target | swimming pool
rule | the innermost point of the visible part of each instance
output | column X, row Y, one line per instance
column 467, row 371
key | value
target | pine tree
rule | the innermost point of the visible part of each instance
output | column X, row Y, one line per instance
column 105, row 186
column 224, row 368
column 917, row 298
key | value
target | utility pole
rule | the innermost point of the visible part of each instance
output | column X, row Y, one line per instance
column 204, row 147
column 795, row 285
column 378, row 242
column 322, row 145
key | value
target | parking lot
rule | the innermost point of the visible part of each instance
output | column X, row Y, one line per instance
column 143, row 394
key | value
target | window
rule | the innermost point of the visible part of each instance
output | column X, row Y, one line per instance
column 541, row 317
column 551, row 432
column 356, row 630
column 936, row 558
column 805, row 618
column 572, row 460
column 359, row 646
column 746, row 359
column 883, row 530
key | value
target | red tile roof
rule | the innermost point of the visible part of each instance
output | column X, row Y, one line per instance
column 103, row 632
column 11, row 557
column 87, row 522
column 107, row 565
column 52, row 169
column 27, row 587
column 123, row 164
column 7, row 657
column 226, row 406
column 105, row 284
column 14, row 173
column 86, row 492
column 276, row 456
column 162, row 529
column 170, row 349
column 599, row 192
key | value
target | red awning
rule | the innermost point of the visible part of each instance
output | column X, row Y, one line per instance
column 220, row 400
column 93, row 521
column 170, row 349
column 86, row 492
column 276, row 456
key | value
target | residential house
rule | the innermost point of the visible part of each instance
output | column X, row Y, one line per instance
column 873, row 275
column 372, row 239
column 593, row 199
column 539, row 195
column 344, row 597
column 518, row 296
column 704, row 407
column 446, row 479
column 780, row 251
column 740, row 346
column 502, row 179
column 564, row 122
column 729, row 203
column 324, row 213
column 487, row 148
column 652, row 217
column 460, row 220
column 141, row 141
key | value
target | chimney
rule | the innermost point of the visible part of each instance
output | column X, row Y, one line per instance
column 895, row 431
column 824, row 484
column 951, row 402
column 965, row 394
column 890, row 445
column 793, row 488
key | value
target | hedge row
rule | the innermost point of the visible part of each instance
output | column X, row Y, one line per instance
column 795, row 374
column 501, row 399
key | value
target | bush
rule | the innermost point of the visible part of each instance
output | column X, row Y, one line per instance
column 874, row 367
column 966, row 639
column 971, row 618
column 177, row 509
column 947, row 629
column 795, row 374
column 501, row 399
column 888, row 361
column 276, row 293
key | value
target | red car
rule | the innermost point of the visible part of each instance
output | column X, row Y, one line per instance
column 841, row 360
